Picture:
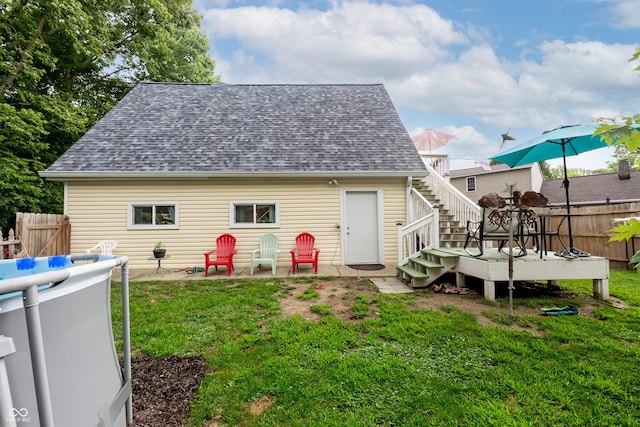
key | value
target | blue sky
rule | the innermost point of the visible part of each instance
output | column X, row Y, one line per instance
column 471, row 68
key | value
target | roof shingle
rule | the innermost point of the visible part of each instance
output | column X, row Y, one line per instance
column 593, row 188
column 221, row 129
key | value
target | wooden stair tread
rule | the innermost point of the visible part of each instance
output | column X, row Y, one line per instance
column 439, row 253
column 412, row 272
column 425, row 263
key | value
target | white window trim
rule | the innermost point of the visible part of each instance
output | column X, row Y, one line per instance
column 475, row 184
column 232, row 212
column 130, row 215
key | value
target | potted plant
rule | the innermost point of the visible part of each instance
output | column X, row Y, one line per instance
column 159, row 250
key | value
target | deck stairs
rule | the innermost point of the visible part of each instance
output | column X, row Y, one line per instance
column 452, row 232
column 423, row 270
column 429, row 265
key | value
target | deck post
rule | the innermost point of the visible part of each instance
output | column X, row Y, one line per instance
column 460, row 280
column 489, row 290
column 601, row 289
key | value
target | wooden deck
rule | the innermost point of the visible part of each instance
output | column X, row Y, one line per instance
column 493, row 267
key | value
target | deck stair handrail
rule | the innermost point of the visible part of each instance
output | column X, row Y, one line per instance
column 421, row 230
column 437, row 162
column 460, row 206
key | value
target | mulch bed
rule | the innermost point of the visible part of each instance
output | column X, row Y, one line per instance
column 163, row 389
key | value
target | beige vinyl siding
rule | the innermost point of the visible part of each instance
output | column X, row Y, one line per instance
column 495, row 182
column 98, row 211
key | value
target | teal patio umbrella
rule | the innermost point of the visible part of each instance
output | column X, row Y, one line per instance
column 560, row 142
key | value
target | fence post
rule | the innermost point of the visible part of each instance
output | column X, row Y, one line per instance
column 12, row 248
column 8, row 245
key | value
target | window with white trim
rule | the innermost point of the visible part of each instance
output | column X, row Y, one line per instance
column 471, row 183
column 254, row 214
column 146, row 215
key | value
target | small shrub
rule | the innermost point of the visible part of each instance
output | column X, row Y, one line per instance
column 309, row 293
column 322, row 309
column 361, row 307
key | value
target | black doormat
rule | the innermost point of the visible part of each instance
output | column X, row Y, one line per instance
column 366, row 267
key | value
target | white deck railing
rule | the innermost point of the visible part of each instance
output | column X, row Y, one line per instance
column 422, row 229
column 423, row 219
column 460, row 206
column 437, row 162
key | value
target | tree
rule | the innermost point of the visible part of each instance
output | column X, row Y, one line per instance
column 621, row 152
column 65, row 63
column 557, row 172
column 627, row 136
column 625, row 133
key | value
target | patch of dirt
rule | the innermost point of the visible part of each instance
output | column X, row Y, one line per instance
column 163, row 388
column 261, row 405
column 340, row 293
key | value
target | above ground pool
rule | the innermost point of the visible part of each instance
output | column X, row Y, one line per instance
column 58, row 360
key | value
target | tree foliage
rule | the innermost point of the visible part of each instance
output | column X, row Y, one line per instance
column 624, row 132
column 622, row 152
column 65, row 63
column 557, row 172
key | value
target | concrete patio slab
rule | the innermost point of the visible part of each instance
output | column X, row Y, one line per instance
column 391, row 285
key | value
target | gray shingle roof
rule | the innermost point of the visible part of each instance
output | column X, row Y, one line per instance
column 167, row 129
column 593, row 188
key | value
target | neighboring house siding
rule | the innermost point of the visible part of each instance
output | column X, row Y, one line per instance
column 536, row 178
column 98, row 211
column 490, row 182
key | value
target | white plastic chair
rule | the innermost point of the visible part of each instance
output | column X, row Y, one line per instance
column 267, row 254
column 105, row 246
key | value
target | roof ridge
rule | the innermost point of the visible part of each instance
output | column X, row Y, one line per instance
column 148, row 82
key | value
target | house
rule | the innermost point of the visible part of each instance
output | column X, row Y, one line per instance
column 603, row 189
column 184, row 163
column 476, row 182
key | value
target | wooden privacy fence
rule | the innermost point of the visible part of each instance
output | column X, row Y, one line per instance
column 10, row 245
column 38, row 235
column 590, row 228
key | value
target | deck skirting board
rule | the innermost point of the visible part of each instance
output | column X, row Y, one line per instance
column 495, row 268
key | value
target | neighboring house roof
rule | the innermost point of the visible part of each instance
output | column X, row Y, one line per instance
column 594, row 189
column 501, row 167
column 205, row 130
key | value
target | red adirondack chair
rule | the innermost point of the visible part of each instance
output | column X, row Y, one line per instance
column 224, row 252
column 305, row 252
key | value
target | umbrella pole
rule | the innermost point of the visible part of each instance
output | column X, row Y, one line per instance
column 511, row 255
column 571, row 250
column 565, row 184
column 510, row 210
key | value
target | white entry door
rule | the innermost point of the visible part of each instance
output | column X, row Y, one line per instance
column 362, row 232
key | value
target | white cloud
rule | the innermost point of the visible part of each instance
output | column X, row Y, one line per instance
column 433, row 66
column 626, row 13
column 467, row 146
column 337, row 45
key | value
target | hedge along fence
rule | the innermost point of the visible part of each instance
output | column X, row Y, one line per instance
column 591, row 231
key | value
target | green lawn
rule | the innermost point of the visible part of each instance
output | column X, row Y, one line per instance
column 399, row 367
